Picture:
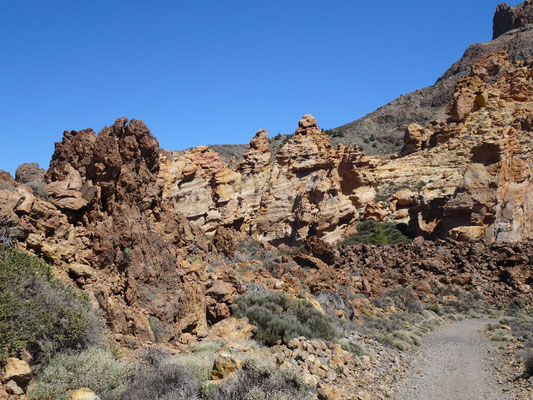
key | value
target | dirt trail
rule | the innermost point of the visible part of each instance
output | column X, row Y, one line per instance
column 452, row 365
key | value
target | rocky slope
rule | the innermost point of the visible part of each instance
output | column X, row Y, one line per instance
column 164, row 242
column 130, row 223
column 512, row 33
column 467, row 178
column 386, row 124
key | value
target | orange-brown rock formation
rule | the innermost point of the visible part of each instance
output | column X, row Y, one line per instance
column 131, row 223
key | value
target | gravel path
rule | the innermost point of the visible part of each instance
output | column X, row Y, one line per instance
column 452, row 366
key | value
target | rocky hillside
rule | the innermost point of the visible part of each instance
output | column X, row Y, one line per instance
column 381, row 131
column 512, row 33
column 466, row 178
column 126, row 219
column 291, row 247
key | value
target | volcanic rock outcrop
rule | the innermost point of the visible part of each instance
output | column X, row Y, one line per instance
column 468, row 177
column 102, row 225
column 388, row 123
column 307, row 190
column 136, row 226
column 30, row 173
column 507, row 18
column 498, row 271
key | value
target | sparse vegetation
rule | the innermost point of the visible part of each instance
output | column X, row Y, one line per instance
column 352, row 347
column 156, row 378
column 38, row 189
column 281, row 318
column 9, row 231
column 250, row 384
column 39, row 313
column 371, row 232
column 95, row 368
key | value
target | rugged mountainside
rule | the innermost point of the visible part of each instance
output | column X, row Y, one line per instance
column 127, row 221
column 512, row 33
column 165, row 242
column 468, row 178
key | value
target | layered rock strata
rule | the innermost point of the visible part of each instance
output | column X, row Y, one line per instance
column 468, row 176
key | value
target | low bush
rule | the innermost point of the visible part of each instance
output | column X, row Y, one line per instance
column 402, row 330
column 253, row 250
column 200, row 363
column 371, row 232
column 333, row 302
column 281, row 318
column 251, row 385
column 95, row 368
column 264, row 367
column 9, row 231
column 403, row 298
column 159, row 375
column 352, row 347
column 39, row 313
column 163, row 381
column 39, row 189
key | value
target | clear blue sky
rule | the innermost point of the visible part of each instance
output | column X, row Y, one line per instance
column 206, row 72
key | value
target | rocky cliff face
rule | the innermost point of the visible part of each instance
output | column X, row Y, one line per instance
column 309, row 189
column 101, row 224
column 469, row 177
column 508, row 18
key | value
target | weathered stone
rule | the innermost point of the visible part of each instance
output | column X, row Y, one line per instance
column 83, row 394
column 18, row 371
column 224, row 365
column 29, row 173
column 507, row 18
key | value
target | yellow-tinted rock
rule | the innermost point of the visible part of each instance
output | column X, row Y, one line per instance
column 84, row 394
column 18, row 371
column 224, row 365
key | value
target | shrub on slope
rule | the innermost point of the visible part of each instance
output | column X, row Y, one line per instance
column 39, row 313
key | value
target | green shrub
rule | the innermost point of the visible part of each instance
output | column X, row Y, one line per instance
column 408, row 336
column 401, row 345
column 157, row 328
column 352, row 347
column 371, row 232
column 264, row 367
column 95, row 368
column 435, row 308
column 39, row 313
column 281, row 318
column 211, row 346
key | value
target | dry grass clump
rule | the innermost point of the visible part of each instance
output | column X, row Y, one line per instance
column 95, row 368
